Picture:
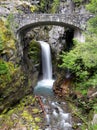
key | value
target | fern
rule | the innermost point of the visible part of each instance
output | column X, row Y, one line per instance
column 82, row 61
column 3, row 68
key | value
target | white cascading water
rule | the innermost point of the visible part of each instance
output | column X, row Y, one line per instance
column 46, row 60
column 56, row 117
column 46, row 65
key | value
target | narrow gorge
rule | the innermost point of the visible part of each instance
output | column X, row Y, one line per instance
column 48, row 65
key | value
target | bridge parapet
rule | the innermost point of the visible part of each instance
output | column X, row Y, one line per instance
column 72, row 20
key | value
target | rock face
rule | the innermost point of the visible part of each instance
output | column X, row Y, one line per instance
column 18, row 75
column 57, row 39
column 54, row 35
column 11, row 6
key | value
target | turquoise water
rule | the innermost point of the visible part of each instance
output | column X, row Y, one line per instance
column 44, row 88
column 57, row 117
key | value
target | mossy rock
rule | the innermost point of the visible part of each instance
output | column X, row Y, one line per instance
column 34, row 51
column 13, row 78
column 37, row 119
column 21, row 115
column 35, row 111
column 7, row 42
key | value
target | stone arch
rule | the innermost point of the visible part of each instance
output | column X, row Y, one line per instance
column 27, row 27
column 24, row 28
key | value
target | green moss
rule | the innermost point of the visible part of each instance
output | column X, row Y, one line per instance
column 7, row 72
column 77, row 116
column 55, row 6
column 22, row 114
column 37, row 119
column 3, row 68
column 33, row 8
column 1, row 44
column 13, row 80
column 7, row 41
column 35, row 111
column 7, row 46
column 78, row 2
column 34, row 52
column 27, row 100
column 27, row 116
column 49, row 6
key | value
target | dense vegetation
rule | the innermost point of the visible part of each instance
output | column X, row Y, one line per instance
column 6, row 45
column 82, row 63
column 81, row 60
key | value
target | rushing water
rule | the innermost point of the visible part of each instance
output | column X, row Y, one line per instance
column 46, row 60
column 57, row 117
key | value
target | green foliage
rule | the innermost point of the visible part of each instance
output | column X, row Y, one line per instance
column 33, row 8
column 91, row 127
column 1, row 44
column 4, row 75
column 93, row 25
column 6, row 39
column 23, row 115
column 7, row 70
column 3, row 68
column 34, row 51
column 55, row 6
column 82, row 61
column 77, row 1
column 95, row 108
column 2, row 31
column 49, row 6
column 6, row 44
column 10, row 19
column 10, row 23
column 92, row 7
column 45, row 5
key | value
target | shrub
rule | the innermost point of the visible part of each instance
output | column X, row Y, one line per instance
column 81, row 60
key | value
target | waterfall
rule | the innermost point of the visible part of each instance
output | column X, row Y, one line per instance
column 46, row 60
column 47, row 80
column 56, row 117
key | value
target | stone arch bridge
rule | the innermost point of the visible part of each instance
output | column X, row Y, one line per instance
column 23, row 23
column 27, row 21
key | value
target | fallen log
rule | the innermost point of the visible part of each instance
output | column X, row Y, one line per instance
column 41, row 104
